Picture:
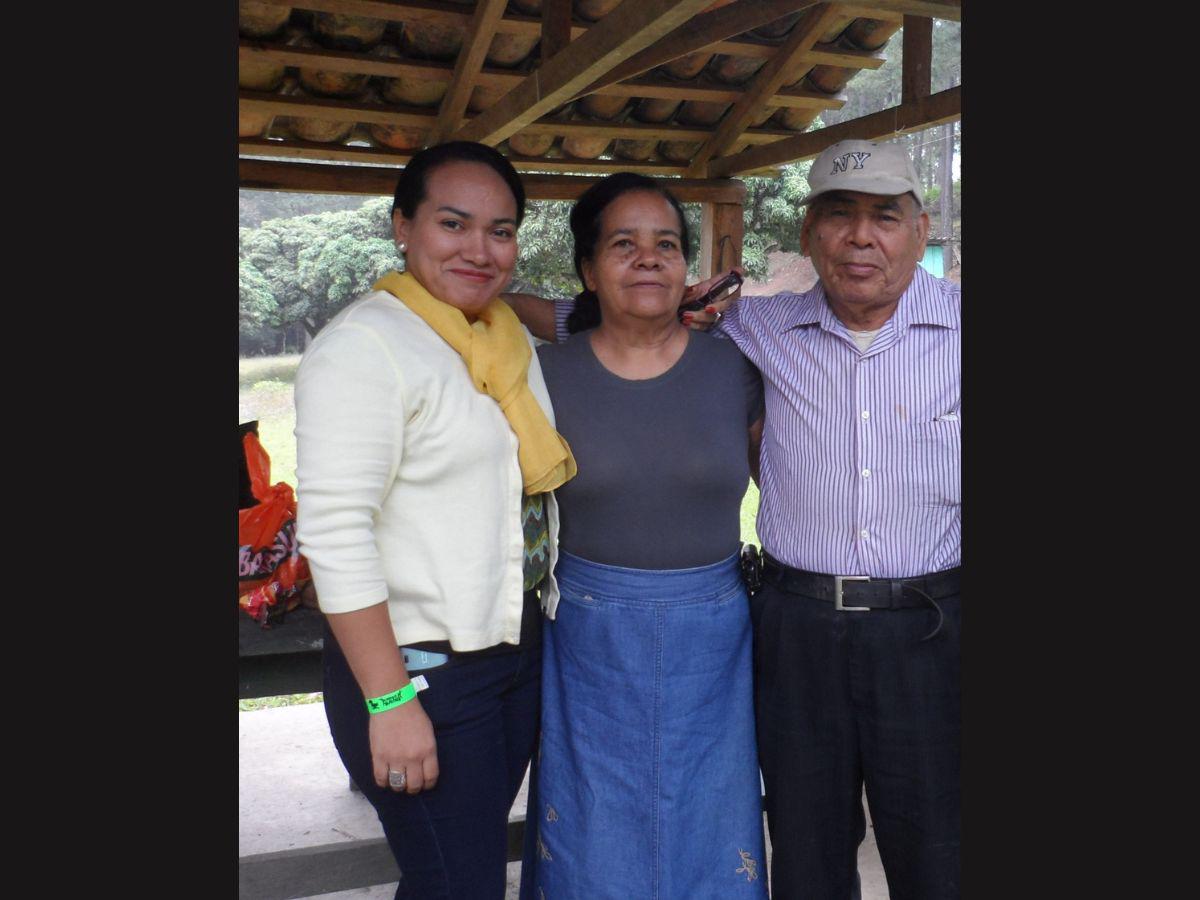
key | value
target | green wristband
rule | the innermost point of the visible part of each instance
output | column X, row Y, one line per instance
column 395, row 698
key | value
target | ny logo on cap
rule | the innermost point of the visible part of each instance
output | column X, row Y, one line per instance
column 839, row 164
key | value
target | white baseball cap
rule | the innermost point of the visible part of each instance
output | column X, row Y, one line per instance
column 863, row 166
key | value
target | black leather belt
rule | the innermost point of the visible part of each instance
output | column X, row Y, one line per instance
column 858, row 592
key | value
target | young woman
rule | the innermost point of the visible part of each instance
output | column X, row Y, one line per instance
column 426, row 518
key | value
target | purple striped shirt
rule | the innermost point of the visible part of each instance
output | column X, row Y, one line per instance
column 860, row 463
column 861, row 450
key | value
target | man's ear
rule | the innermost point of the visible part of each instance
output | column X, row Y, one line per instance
column 805, row 228
column 923, row 231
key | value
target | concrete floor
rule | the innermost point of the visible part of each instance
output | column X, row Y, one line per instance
column 293, row 792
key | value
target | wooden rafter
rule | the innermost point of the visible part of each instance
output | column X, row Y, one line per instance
column 870, row 12
column 348, row 62
column 336, row 110
column 648, row 86
column 799, row 98
column 700, row 32
column 610, row 57
column 917, row 66
column 766, row 82
column 624, row 31
column 466, row 68
column 367, row 64
column 416, row 117
column 346, row 153
column 269, row 175
column 833, row 55
column 515, row 23
column 932, row 9
column 436, row 11
column 556, row 27
column 936, row 109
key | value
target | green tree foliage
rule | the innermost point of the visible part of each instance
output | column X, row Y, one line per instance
column 256, row 207
column 545, row 266
column 772, row 216
column 313, row 265
column 256, row 303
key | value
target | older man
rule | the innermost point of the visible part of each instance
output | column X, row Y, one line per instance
column 857, row 621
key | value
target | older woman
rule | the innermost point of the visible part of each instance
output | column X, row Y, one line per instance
column 648, row 776
column 426, row 451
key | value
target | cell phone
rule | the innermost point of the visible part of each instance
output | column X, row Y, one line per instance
column 718, row 291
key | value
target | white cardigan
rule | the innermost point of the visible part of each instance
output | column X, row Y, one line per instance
column 408, row 485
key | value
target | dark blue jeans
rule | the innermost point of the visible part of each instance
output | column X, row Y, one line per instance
column 451, row 843
column 847, row 698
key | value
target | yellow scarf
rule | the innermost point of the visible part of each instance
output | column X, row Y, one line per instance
column 497, row 355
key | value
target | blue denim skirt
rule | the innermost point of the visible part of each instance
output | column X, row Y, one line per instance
column 648, row 782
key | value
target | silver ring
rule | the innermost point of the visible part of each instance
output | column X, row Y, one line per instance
column 397, row 779
column 718, row 318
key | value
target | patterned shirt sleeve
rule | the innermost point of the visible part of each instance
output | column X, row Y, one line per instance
column 562, row 308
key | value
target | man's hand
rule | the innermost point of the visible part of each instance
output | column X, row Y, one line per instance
column 703, row 319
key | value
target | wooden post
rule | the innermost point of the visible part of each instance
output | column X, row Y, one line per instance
column 917, row 65
column 721, row 232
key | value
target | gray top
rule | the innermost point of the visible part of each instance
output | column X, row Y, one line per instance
column 662, row 462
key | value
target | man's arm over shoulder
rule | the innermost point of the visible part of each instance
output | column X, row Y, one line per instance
column 536, row 313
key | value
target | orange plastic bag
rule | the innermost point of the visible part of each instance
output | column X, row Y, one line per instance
column 271, row 571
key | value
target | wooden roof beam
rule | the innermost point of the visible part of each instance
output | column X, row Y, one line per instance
column 917, row 67
column 556, row 27
column 436, row 11
column 345, row 61
column 766, row 82
column 800, row 98
column 361, row 64
column 337, row 110
column 646, row 131
column 390, row 161
column 270, row 175
column 512, row 23
column 366, row 64
column 930, row 9
column 700, row 32
column 416, row 117
column 936, row 109
column 687, row 190
column 624, row 31
column 466, row 67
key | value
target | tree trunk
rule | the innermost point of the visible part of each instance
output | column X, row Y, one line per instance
column 947, row 187
column 914, row 150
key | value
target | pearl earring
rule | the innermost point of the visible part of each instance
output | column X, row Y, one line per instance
column 403, row 246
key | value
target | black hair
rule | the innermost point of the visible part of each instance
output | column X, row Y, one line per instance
column 410, row 188
column 585, row 228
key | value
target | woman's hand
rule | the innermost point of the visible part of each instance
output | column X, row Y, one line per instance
column 402, row 737
column 402, row 741
column 704, row 319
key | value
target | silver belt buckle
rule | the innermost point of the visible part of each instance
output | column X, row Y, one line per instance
column 837, row 592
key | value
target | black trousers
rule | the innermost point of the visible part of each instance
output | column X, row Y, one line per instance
column 451, row 843
column 847, row 698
